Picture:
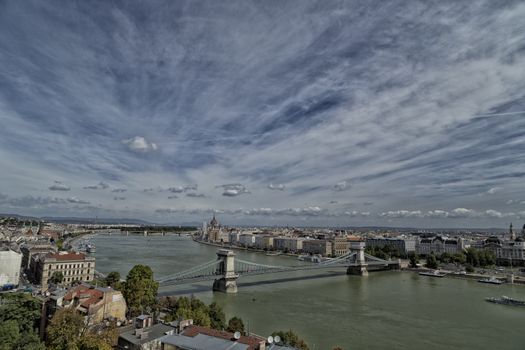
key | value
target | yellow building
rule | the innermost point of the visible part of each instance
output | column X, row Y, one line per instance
column 96, row 304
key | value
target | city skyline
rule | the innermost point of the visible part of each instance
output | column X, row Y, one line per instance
column 276, row 113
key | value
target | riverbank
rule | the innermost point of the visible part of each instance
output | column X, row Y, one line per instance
column 468, row 276
column 244, row 249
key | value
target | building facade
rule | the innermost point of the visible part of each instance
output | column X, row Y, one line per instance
column 439, row 245
column 317, row 246
column 340, row 246
column 288, row 244
column 263, row 242
column 10, row 264
column 74, row 267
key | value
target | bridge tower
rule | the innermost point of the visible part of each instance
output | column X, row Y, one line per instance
column 360, row 263
column 228, row 282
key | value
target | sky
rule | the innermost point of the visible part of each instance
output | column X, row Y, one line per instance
column 299, row 113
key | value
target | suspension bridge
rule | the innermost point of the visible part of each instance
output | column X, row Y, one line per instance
column 226, row 269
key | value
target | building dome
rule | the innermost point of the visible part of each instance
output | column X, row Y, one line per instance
column 214, row 221
column 493, row 239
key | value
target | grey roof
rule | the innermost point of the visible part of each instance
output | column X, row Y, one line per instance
column 202, row 342
column 154, row 332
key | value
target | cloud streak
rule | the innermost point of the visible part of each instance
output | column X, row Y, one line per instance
column 417, row 117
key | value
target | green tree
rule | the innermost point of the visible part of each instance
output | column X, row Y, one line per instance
column 431, row 262
column 459, row 258
column 22, row 308
column 113, row 279
column 9, row 334
column 217, row 316
column 291, row 339
column 65, row 329
column 68, row 330
column 140, row 290
column 413, row 260
column 235, row 324
column 57, row 277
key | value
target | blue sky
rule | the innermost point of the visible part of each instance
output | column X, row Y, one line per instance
column 267, row 112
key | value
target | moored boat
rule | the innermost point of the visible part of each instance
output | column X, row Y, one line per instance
column 491, row 280
column 433, row 273
column 506, row 301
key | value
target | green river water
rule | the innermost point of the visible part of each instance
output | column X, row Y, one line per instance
column 386, row 310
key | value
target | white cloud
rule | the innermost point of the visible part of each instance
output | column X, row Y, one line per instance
column 59, row 186
column 493, row 190
column 233, row 190
column 77, row 200
column 402, row 214
column 100, row 186
column 139, row 144
column 278, row 187
column 341, row 186
column 119, row 190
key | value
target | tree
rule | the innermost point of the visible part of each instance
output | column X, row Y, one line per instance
column 65, row 329
column 235, row 324
column 140, row 290
column 10, row 334
column 431, row 262
column 292, row 339
column 413, row 260
column 217, row 316
column 22, row 308
column 68, row 330
column 57, row 277
column 19, row 316
column 113, row 279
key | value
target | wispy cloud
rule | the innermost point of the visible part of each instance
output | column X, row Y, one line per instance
column 100, row 186
column 233, row 190
column 425, row 119
column 59, row 186
column 119, row 190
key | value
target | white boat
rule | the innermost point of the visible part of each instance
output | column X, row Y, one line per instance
column 433, row 273
column 273, row 253
column 491, row 280
column 310, row 258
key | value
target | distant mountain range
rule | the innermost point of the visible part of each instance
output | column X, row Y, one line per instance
column 75, row 220
column 113, row 221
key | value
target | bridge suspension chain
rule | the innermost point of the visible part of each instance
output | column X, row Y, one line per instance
column 189, row 272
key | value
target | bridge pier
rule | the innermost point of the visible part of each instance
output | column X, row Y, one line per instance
column 228, row 282
column 360, row 267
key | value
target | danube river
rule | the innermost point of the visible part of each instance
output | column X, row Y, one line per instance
column 387, row 310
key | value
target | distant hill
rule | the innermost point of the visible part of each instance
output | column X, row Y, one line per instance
column 76, row 220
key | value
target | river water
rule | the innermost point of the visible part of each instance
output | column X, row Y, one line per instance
column 386, row 310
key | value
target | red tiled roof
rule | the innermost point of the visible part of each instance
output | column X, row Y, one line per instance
column 67, row 256
column 91, row 296
column 252, row 341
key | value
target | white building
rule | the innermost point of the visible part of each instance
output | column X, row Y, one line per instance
column 10, row 264
column 439, row 245
column 288, row 244
column 246, row 240
column 263, row 241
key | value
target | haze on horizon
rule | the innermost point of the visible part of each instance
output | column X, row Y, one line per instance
column 277, row 112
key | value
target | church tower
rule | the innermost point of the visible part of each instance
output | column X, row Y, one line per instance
column 511, row 232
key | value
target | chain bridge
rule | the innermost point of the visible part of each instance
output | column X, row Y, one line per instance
column 226, row 269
